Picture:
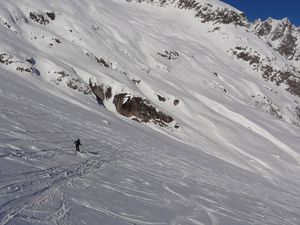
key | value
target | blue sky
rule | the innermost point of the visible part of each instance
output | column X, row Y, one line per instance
column 263, row 9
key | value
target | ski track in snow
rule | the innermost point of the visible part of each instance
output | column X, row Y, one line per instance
column 14, row 208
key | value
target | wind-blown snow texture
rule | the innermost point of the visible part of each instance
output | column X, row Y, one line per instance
column 233, row 160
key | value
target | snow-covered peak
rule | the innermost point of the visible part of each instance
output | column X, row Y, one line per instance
column 282, row 35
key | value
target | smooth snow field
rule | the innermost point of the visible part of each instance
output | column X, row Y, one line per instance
column 230, row 162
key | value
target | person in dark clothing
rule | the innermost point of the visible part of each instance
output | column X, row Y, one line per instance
column 77, row 144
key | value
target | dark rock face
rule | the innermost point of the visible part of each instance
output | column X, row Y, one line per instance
column 140, row 108
column 100, row 91
column 130, row 106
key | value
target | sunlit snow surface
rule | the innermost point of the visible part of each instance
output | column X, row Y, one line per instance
column 229, row 163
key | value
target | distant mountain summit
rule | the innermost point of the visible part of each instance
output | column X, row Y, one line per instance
column 282, row 35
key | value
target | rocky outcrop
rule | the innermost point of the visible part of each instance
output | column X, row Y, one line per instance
column 38, row 18
column 136, row 82
column 241, row 53
column 71, row 81
column 136, row 107
column 22, row 69
column 161, row 98
column 4, row 22
column 19, row 64
column 281, row 77
column 6, row 59
column 170, row 55
column 140, row 109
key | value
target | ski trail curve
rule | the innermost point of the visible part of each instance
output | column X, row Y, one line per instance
column 16, row 206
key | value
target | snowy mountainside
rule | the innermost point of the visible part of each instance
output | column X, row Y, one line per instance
column 281, row 36
column 208, row 10
column 211, row 127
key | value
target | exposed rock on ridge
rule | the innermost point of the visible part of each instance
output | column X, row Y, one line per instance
column 269, row 72
column 204, row 10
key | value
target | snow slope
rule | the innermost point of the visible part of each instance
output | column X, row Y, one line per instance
column 233, row 160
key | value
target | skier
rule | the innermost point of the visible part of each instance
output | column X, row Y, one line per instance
column 77, row 143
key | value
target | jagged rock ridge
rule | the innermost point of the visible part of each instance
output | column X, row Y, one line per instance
column 282, row 35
